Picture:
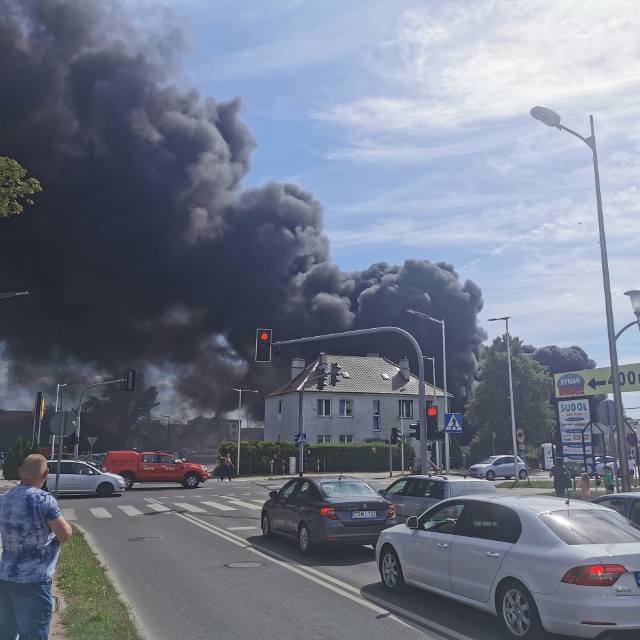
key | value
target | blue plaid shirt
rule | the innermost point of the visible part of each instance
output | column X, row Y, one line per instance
column 29, row 548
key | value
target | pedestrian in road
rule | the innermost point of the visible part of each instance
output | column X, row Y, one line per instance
column 607, row 476
column 32, row 529
column 561, row 477
column 227, row 465
column 585, row 487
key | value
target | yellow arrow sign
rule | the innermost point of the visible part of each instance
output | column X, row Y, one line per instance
column 594, row 382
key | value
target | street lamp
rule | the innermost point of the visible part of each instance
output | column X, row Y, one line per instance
column 239, row 422
column 444, row 379
column 634, row 296
column 513, row 414
column 552, row 119
column 13, row 294
column 168, row 419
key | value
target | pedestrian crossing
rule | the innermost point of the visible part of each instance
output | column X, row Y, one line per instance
column 224, row 504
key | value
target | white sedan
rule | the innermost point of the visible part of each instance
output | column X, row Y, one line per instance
column 541, row 565
column 601, row 461
column 80, row 477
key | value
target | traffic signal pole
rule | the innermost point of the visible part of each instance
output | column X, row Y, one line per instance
column 422, row 403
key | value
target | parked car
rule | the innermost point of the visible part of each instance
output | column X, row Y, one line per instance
column 538, row 563
column 80, row 477
column 498, row 467
column 626, row 504
column 414, row 494
column 153, row 466
column 601, row 461
column 327, row 511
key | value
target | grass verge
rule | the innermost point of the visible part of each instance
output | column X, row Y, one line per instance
column 93, row 608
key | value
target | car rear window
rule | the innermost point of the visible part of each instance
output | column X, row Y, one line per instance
column 586, row 526
column 347, row 488
column 471, row 488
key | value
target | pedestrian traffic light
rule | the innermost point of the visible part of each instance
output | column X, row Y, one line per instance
column 335, row 372
column 263, row 345
column 394, row 435
column 415, row 430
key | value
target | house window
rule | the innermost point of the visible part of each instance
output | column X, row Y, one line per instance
column 376, row 415
column 324, row 439
column 324, row 408
column 345, row 439
column 346, row 408
column 405, row 408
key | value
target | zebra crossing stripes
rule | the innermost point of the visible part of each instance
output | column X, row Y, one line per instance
column 100, row 512
column 190, row 507
column 130, row 510
column 218, row 505
column 69, row 514
column 248, row 505
column 160, row 508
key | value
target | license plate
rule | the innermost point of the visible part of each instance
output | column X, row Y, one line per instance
column 638, row 578
column 363, row 514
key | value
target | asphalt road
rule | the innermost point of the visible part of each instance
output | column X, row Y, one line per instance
column 194, row 564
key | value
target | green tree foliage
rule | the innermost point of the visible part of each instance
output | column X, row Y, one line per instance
column 14, row 187
column 489, row 409
column 131, row 410
column 16, row 455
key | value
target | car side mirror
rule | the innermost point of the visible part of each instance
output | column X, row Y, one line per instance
column 273, row 494
column 412, row 522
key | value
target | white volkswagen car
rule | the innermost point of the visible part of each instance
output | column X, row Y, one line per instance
column 498, row 467
column 80, row 477
column 539, row 564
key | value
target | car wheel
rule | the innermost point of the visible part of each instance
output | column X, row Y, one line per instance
column 391, row 571
column 518, row 613
column 304, row 540
column 266, row 526
column 105, row 489
column 522, row 474
column 129, row 479
column 490, row 475
column 191, row 481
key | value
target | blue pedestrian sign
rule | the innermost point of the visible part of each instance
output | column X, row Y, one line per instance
column 301, row 437
column 453, row 422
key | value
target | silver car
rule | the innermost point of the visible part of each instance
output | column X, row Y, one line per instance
column 80, row 477
column 498, row 467
column 414, row 494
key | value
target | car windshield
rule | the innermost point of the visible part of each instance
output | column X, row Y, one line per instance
column 586, row 526
column 347, row 488
column 488, row 460
column 468, row 488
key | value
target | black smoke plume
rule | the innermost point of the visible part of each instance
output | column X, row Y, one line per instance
column 144, row 250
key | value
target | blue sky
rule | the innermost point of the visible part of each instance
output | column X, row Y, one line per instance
column 410, row 122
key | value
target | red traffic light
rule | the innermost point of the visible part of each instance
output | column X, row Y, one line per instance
column 432, row 411
column 264, row 336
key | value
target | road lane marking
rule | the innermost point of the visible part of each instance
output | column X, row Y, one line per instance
column 69, row 514
column 190, row 507
column 217, row 505
column 130, row 510
column 100, row 512
column 160, row 508
column 248, row 505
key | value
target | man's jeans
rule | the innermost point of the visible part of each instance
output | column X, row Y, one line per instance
column 25, row 610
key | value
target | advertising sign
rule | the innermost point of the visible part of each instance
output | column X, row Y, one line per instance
column 573, row 417
column 594, row 382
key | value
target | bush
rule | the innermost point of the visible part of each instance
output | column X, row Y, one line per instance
column 15, row 456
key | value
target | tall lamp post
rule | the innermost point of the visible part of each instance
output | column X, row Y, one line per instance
column 444, row 379
column 168, row 422
column 552, row 119
column 514, row 440
column 239, row 421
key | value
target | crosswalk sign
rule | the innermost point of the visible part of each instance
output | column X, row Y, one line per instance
column 453, row 422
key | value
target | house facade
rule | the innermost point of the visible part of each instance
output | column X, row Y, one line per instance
column 369, row 396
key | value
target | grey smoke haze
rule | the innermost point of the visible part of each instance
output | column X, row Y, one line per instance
column 145, row 250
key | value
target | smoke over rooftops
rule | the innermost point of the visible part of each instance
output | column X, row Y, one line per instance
column 144, row 250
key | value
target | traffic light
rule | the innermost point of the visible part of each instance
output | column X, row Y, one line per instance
column 130, row 380
column 335, row 372
column 432, row 417
column 72, row 440
column 415, row 430
column 263, row 345
column 321, row 377
column 394, row 435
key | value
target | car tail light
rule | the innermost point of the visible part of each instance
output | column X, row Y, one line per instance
column 329, row 512
column 594, row 575
column 391, row 513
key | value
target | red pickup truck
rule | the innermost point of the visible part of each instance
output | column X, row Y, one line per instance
column 154, row 466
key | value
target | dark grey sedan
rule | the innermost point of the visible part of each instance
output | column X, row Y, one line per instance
column 327, row 511
column 626, row 504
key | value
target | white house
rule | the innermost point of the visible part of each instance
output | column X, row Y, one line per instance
column 371, row 395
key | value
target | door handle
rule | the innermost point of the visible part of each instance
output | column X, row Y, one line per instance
column 443, row 544
column 493, row 555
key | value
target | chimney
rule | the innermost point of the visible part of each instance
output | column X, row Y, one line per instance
column 297, row 367
column 404, row 368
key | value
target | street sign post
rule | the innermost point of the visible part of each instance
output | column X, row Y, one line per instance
column 453, row 423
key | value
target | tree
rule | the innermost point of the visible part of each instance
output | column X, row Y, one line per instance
column 489, row 409
column 14, row 188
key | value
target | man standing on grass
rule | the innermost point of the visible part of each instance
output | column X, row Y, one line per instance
column 32, row 529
